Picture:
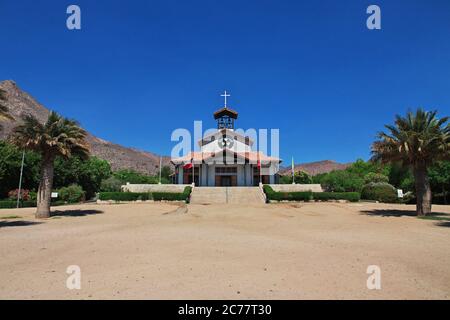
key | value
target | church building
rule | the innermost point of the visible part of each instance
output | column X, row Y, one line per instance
column 226, row 158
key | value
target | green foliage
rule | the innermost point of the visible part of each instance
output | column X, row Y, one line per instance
column 9, row 204
column 10, row 162
column 172, row 196
column 439, row 175
column 125, row 196
column 301, row 177
column 375, row 177
column 401, row 177
column 325, row 196
column 341, row 181
column 71, row 194
column 308, row 195
column 88, row 173
column 166, row 171
column 379, row 191
column 157, row 196
column 112, row 184
column 287, row 179
column 134, row 177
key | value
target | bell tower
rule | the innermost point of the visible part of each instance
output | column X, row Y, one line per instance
column 225, row 116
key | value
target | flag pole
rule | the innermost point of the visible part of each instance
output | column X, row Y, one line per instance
column 293, row 172
column 160, row 164
column 20, row 179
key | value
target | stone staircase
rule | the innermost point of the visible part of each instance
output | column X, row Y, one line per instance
column 221, row 195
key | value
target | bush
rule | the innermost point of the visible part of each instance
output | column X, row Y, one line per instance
column 379, row 191
column 71, row 194
column 288, row 196
column 125, row 196
column 325, row 196
column 375, row 177
column 173, row 196
column 10, row 204
column 157, row 196
column 308, row 195
column 24, row 194
column 112, row 184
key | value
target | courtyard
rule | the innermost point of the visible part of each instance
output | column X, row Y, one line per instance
column 273, row 251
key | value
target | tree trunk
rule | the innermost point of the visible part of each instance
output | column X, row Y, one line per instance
column 423, row 190
column 45, row 188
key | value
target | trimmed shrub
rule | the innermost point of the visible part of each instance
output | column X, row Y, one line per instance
column 10, row 204
column 173, row 196
column 308, row 195
column 325, row 196
column 287, row 196
column 71, row 194
column 379, row 191
column 157, row 196
column 125, row 196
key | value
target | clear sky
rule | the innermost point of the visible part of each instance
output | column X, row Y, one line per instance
column 139, row 69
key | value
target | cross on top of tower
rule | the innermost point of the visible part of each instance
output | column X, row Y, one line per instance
column 225, row 95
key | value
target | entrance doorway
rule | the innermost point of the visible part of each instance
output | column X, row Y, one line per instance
column 225, row 181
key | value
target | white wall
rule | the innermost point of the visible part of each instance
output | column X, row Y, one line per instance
column 297, row 187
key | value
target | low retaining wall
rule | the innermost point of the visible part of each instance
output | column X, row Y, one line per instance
column 154, row 187
column 296, row 187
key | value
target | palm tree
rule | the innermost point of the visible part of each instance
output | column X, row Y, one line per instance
column 57, row 137
column 417, row 140
column 3, row 108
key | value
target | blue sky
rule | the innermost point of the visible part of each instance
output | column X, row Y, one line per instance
column 139, row 69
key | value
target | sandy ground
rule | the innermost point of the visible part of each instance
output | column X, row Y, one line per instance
column 276, row 251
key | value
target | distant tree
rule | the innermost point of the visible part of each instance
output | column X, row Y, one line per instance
column 10, row 162
column 87, row 173
column 58, row 136
column 132, row 176
column 439, row 175
column 375, row 178
column 166, row 171
column 112, row 184
column 301, row 177
column 417, row 140
column 340, row 181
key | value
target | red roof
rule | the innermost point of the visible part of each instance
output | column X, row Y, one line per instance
column 198, row 157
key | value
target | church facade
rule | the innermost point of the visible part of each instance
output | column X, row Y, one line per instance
column 226, row 158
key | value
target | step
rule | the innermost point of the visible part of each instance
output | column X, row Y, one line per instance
column 223, row 195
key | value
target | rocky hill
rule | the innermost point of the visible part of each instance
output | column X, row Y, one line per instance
column 20, row 102
column 317, row 167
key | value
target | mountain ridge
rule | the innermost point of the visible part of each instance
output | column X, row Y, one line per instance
column 20, row 103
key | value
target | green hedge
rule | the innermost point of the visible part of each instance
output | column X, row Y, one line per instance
column 10, row 204
column 157, row 196
column 125, row 196
column 325, row 196
column 173, row 196
column 308, row 195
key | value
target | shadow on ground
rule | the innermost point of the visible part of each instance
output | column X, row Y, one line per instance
column 74, row 213
column 443, row 224
column 398, row 213
column 21, row 223
column 389, row 213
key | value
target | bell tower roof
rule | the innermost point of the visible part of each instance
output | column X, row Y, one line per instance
column 225, row 111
